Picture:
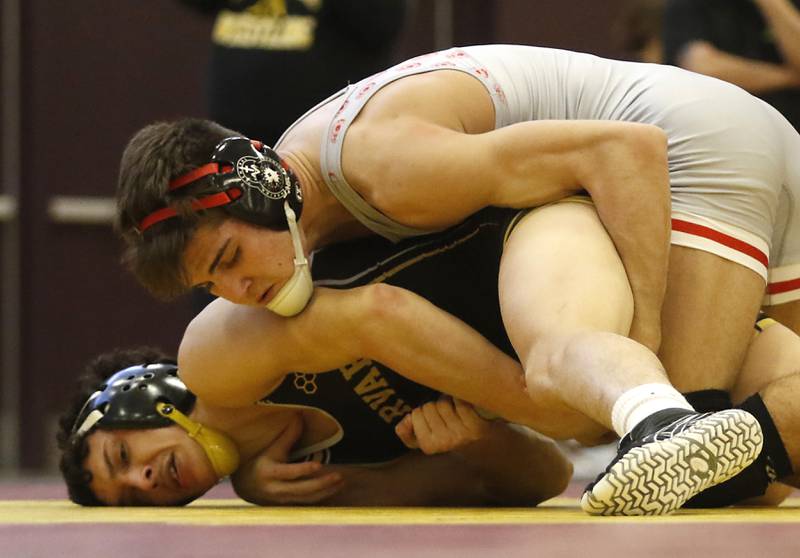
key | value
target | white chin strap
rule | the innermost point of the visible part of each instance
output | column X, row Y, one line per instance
column 296, row 293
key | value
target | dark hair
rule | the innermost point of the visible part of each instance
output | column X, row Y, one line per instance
column 74, row 449
column 155, row 155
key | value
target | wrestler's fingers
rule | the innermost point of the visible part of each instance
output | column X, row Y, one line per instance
column 445, row 406
column 405, row 431
column 321, row 495
column 422, row 432
column 306, row 491
column 433, row 415
column 431, row 431
column 464, row 424
column 420, row 424
column 463, row 408
column 287, row 471
column 477, row 423
column 467, row 413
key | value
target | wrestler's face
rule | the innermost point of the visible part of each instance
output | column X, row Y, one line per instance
column 156, row 467
column 239, row 262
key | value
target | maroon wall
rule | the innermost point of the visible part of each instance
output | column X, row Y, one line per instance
column 91, row 76
column 584, row 25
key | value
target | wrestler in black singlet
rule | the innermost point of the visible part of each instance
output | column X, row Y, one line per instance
column 367, row 398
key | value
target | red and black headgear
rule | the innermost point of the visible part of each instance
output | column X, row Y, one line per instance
column 245, row 178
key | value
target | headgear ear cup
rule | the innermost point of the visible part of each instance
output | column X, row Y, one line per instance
column 266, row 180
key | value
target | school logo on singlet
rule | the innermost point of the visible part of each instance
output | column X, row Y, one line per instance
column 307, row 383
column 372, row 386
column 259, row 174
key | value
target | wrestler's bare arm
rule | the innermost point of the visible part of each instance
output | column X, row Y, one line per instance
column 430, row 175
column 423, row 343
column 232, row 355
column 269, row 479
column 509, row 466
column 452, row 425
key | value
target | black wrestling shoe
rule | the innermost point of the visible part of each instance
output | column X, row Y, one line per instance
column 671, row 456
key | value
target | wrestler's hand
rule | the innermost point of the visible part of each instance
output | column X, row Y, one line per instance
column 269, row 479
column 440, row 426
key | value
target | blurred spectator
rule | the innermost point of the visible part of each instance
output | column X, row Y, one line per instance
column 271, row 60
column 638, row 29
column 752, row 43
column 291, row 54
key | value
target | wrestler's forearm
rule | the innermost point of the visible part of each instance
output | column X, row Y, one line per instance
column 413, row 480
column 517, row 465
column 511, row 467
column 623, row 166
column 630, row 189
column 431, row 347
column 784, row 20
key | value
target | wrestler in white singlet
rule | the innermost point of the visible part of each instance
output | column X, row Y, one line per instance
column 734, row 161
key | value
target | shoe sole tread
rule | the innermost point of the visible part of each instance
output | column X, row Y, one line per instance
column 658, row 477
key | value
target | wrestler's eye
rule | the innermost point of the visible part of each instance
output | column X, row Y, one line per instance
column 123, row 455
column 233, row 260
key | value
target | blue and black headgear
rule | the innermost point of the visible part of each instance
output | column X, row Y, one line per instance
column 153, row 396
column 247, row 179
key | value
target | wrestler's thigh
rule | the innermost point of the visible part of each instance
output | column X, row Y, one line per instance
column 560, row 273
column 707, row 319
column 773, row 354
column 787, row 314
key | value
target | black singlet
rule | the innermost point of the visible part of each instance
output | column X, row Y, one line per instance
column 457, row 271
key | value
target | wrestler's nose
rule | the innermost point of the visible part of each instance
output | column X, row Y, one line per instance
column 236, row 288
column 143, row 478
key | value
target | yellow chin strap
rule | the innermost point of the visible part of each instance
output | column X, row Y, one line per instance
column 219, row 448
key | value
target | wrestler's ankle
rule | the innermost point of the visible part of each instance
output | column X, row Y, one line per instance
column 638, row 403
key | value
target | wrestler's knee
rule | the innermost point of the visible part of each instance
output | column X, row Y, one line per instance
column 557, row 418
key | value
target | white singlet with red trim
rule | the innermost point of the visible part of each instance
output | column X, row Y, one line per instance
column 734, row 161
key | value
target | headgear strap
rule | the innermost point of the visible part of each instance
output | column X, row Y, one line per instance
column 206, row 202
column 198, row 173
column 242, row 171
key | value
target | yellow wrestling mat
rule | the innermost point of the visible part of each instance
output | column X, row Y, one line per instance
column 235, row 512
